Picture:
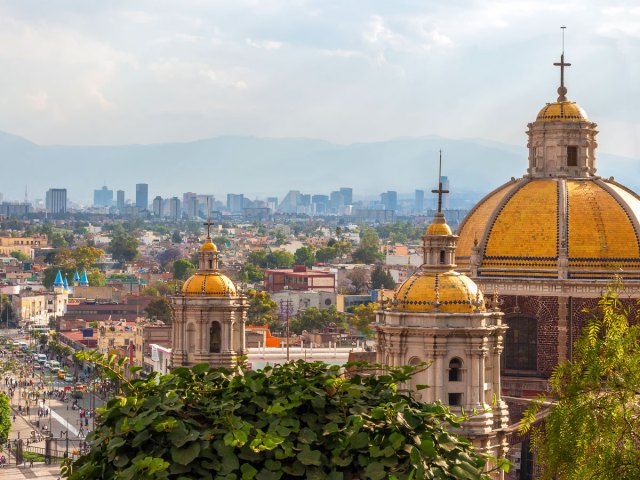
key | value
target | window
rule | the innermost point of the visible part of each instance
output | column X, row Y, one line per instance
column 521, row 344
column 455, row 399
column 455, row 370
column 191, row 338
column 442, row 256
column 572, row 156
column 214, row 338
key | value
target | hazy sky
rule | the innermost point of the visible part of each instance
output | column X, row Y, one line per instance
column 112, row 72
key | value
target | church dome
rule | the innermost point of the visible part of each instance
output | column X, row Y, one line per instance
column 562, row 112
column 553, row 228
column 439, row 229
column 210, row 284
column 208, row 246
column 456, row 293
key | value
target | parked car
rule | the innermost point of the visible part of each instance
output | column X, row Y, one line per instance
column 69, row 378
column 61, row 374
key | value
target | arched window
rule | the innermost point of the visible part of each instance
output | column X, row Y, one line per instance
column 191, row 338
column 210, row 264
column 214, row 338
column 521, row 344
column 455, row 370
column 442, row 256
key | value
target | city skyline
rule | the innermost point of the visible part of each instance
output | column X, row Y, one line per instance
column 108, row 74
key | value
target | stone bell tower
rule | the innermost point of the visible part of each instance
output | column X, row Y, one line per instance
column 208, row 315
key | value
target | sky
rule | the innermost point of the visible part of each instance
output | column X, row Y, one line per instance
column 80, row 72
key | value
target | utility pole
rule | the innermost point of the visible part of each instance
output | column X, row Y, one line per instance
column 285, row 310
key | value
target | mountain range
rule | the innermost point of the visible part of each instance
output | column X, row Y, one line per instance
column 261, row 167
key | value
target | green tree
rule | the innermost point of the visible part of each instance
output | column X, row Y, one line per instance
column 304, row 256
column 368, row 250
column 20, row 256
column 183, row 269
column 298, row 420
column 5, row 418
column 96, row 278
column 280, row 258
column 258, row 258
column 221, row 241
column 57, row 240
column 313, row 318
column 263, row 310
column 593, row 428
column 176, row 237
column 150, row 292
column 251, row 273
column 326, row 254
column 159, row 308
column 123, row 247
column 380, row 278
column 363, row 317
column 280, row 238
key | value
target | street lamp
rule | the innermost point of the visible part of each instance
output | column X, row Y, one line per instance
column 66, row 434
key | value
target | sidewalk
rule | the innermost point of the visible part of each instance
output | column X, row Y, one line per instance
column 40, row 471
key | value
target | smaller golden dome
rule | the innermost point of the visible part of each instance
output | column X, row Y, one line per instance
column 457, row 293
column 439, row 229
column 208, row 246
column 562, row 112
column 209, row 285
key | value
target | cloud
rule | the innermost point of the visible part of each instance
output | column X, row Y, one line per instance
column 264, row 44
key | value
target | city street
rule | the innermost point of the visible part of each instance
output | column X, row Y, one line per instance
column 42, row 403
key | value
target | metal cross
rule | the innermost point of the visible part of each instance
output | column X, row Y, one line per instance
column 562, row 90
column 440, row 191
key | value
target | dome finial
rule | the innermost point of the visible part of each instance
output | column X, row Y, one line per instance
column 562, row 90
column 440, row 191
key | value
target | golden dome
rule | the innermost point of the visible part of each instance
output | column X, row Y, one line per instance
column 208, row 246
column 457, row 293
column 525, row 226
column 562, row 112
column 439, row 229
column 209, row 285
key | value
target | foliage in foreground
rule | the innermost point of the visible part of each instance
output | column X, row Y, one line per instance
column 593, row 430
column 298, row 420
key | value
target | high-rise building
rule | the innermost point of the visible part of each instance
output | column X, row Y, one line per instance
column 56, row 201
column 272, row 203
column 347, row 195
column 336, row 201
column 103, row 197
column 419, row 201
column 445, row 196
column 320, row 204
column 175, row 208
column 120, row 200
column 290, row 202
column 142, row 195
column 157, row 206
column 390, row 200
column 235, row 202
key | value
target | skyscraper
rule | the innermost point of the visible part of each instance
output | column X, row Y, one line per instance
column 347, row 195
column 157, row 206
column 235, row 202
column 142, row 195
column 419, row 201
column 103, row 197
column 56, row 201
column 120, row 200
column 390, row 200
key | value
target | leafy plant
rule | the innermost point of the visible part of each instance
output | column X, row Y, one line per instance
column 593, row 428
column 297, row 420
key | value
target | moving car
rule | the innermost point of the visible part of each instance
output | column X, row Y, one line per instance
column 61, row 374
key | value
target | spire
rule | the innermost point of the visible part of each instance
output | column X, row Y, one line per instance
column 84, row 281
column 439, row 225
column 76, row 277
column 58, row 283
column 562, row 90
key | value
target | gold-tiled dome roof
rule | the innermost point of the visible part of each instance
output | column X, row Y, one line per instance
column 208, row 246
column 457, row 293
column 209, row 285
column 562, row 112
column 439, row 229
column 522, row 228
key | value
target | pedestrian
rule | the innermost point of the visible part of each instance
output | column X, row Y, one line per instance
column 31, row 463
column 14, row 419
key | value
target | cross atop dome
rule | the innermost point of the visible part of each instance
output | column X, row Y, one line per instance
column 440, row 191
column 562, row 90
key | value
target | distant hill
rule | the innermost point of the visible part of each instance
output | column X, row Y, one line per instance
column 268, row 166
